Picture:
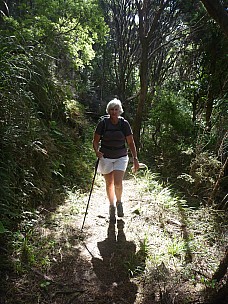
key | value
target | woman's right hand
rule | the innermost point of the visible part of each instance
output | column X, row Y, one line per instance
column 96, row 140
column 99, row 154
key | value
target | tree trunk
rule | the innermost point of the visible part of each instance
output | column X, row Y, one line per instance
column 146, row 34
column 143, row 93
column 218, row 12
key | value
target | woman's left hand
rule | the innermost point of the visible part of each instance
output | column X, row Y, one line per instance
column 135, row 165
column 131, row 144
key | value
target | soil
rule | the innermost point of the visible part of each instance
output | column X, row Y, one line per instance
column 121, row 262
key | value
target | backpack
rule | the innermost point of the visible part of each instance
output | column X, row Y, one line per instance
column 104, row 126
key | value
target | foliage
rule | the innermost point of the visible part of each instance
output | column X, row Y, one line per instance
column 194, row 120
column 169, row 129
column 135, row 264
column 43, row 128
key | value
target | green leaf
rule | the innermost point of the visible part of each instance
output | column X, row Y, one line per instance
column 2, row 228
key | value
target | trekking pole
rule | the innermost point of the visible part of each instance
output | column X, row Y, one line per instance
column 95, row 172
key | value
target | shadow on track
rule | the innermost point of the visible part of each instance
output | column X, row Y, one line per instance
column 112, row 269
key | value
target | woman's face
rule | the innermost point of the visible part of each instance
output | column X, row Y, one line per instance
column 114, row 112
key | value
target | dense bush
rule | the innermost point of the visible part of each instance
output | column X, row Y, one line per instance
column 168, row 130
column 42, row 137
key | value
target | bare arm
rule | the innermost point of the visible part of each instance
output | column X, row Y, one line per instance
column 96, row 140
column 131, row 144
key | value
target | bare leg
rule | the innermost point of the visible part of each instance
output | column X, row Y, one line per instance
column 118, row 184
column 109, row 180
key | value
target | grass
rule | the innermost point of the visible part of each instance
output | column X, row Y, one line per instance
column 176, row 247
column 188, row 242
column 135, row 265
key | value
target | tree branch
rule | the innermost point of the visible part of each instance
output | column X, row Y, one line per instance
column 218, row 12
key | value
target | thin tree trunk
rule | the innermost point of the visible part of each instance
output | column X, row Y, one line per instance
column 143, row 93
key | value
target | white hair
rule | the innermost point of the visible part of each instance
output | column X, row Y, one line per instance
column 113, row 103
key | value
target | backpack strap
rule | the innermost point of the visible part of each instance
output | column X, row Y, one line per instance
column 104, row 126
column 103, row 119
column 121, row 125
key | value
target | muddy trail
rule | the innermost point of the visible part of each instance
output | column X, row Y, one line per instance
column 161, row 251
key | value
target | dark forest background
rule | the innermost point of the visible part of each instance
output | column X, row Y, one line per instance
column 62, row 61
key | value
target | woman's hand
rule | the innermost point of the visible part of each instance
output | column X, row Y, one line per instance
column 96, row 140
column 99, row 154
column 135, row 165
column 131, row 144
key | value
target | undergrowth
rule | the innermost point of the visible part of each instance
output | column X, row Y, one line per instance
column 184, row 242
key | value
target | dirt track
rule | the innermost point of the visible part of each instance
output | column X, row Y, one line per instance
column 161, row 251
column 108, row 247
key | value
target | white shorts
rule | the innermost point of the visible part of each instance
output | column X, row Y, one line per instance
column 107, row 165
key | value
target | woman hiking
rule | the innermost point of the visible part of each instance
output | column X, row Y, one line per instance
column 109, row 143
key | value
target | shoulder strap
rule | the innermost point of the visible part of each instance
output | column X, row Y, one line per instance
column 121, row 125
column 103, row 119
column 103, row 127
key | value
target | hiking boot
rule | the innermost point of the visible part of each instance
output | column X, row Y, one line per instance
column 119, row 209
column 112, row 213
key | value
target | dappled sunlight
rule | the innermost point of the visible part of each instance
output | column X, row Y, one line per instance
column 181, row 239
column 161, row 251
